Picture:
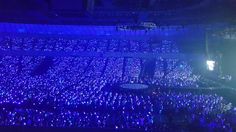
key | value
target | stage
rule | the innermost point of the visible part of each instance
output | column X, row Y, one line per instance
column 134, row 86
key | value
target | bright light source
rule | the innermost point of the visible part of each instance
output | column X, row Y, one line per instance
column 210, row 65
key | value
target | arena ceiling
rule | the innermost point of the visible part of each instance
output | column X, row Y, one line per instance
column 111, row 12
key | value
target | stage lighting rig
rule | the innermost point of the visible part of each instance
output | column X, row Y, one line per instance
column 210, row 65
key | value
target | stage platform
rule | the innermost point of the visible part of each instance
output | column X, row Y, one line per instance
column 134, row 86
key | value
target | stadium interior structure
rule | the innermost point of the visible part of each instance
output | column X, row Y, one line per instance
column 117, row 65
